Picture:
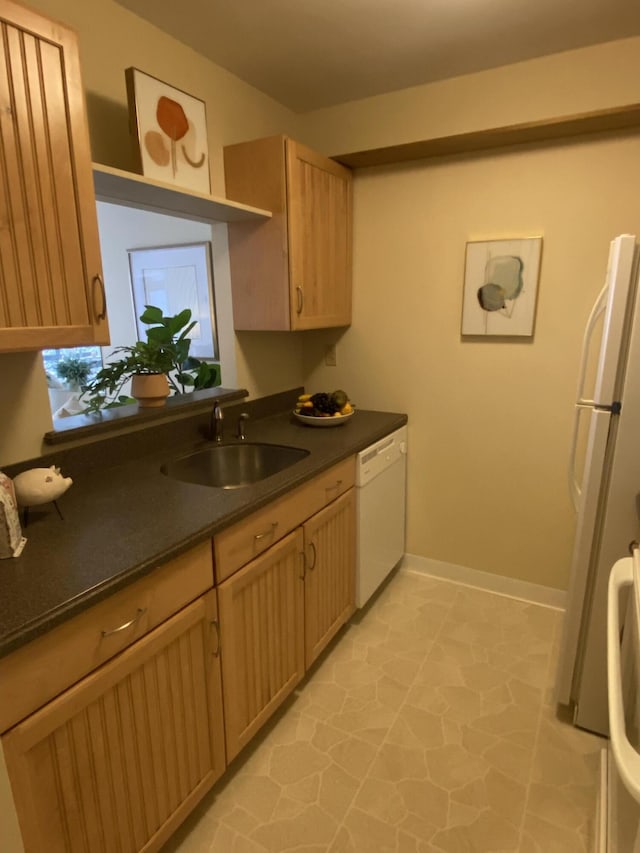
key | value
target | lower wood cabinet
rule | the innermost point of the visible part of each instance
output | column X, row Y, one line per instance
column 261, row 621
column 280, row 611
column 330, row 580
column 116, row 762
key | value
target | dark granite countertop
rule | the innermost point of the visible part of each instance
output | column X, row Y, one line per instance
column 122, row 519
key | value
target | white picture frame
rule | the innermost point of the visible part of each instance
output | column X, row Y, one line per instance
column 173, row 278
column 169, row 131
column 501, row 287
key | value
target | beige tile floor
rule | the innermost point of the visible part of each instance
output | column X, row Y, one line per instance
column 427, row 728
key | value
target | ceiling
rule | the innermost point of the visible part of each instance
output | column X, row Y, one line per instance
column 308, row 54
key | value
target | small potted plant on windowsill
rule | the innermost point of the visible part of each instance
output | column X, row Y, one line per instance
column 74, row 372
column 156, row 367
column 65, row 382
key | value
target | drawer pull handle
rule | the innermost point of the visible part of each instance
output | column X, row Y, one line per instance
column 270, row 532
column 336, row 485
column 125, row 625
column 216, row 626
column 313, row 547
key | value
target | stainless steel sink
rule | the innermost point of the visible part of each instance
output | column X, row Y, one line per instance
column 231, row 466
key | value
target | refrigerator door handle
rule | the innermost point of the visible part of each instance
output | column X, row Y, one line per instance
column 598, row 307
column 626, row 758
column 575, row 488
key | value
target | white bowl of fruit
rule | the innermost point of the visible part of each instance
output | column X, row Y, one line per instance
column 324, row 410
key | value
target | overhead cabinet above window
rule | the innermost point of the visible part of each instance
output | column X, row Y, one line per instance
column 51, row 287
column 294, row 271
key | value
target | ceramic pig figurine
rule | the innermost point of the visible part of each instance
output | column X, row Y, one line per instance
column 40, row 486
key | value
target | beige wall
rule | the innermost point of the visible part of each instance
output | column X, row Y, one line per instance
column 112, row 39
column 568, row 83
column 24, row 406
column 489, row 421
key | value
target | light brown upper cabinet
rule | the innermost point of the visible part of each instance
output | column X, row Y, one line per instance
column 51, row 287
column 294, row 271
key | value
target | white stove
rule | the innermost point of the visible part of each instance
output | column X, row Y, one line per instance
column 618, row 829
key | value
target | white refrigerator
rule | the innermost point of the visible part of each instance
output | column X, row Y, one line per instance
column 605, row 493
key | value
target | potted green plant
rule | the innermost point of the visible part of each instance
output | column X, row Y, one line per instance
column 156, row 367
column 73, row 371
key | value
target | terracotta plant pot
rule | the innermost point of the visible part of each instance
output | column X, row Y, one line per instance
column 150, row 389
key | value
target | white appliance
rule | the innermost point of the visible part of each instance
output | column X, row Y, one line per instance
column 605, row 497
column 381, row 476
column 618, row 813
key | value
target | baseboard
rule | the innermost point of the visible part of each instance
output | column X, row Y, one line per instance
column 510, row 587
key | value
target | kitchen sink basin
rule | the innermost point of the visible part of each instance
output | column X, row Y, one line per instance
column 231, row 466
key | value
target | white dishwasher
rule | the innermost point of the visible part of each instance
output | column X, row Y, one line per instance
column 381, row 477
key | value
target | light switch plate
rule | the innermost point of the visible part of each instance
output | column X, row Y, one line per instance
column 330, row 358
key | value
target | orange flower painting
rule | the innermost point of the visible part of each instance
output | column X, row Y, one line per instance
column 170, row 132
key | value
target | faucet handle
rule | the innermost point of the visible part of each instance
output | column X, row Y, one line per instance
column 242, row 419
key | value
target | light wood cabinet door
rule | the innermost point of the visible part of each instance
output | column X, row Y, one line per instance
column 261, row 619
column 294, row 271
column 251, row 536
column 319, row 222
column 329, row 588
column 116, row 762
column 51, row 287
column 36, row 673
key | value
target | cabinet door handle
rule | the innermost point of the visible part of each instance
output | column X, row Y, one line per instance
column 313, row 548
column 300, row 297
column 216, row 627
column 141, row 611
column 270, row 532
column 102, row 313
column 336, row 485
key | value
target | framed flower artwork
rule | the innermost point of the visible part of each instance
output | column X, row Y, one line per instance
column 169, row 129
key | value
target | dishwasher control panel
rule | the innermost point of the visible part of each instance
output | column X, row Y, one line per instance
column 380, row 455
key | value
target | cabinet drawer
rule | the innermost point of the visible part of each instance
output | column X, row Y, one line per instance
column 37, row 672
column 243, row 541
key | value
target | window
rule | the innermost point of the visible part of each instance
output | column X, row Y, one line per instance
column 124, row 230
column 67, row 370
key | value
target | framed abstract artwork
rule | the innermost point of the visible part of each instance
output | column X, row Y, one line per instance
column 169, row 129
column 174, row 278
column 501, row 287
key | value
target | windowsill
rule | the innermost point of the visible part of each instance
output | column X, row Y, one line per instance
column 88, row 426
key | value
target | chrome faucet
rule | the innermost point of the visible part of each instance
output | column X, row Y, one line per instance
column 216, row 423
column 242, row 419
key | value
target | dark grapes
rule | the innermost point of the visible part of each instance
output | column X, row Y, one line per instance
column 323, row 404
